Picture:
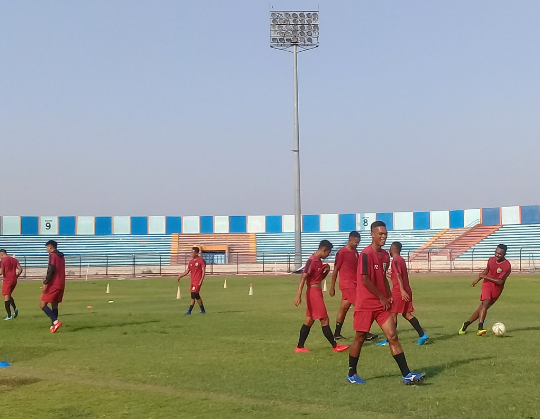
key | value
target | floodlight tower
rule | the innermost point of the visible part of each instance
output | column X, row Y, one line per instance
column 295, row 32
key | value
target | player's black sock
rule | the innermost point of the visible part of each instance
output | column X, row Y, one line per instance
column 202, row 307
column 466, row 324
column 329, row 335
column 190, row 308
column 48, row 311
column 416, row 324
column 304, row 333
column 338, row 329
column 55, row 311
column 8, row 308
column 480, row 326
column 402, row 363
column 12, row 301
column 353, row 362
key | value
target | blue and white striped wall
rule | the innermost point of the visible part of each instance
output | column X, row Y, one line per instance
column 311, row 223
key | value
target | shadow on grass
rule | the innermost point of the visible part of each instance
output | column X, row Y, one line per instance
column 14, row 353
column 105, row 326
column 11, row 383
column 434, row 370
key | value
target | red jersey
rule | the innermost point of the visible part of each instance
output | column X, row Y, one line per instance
column 347, row 263
column 400, row 267
column 195, row 267
column 314, row 270
column 374, row 265
column 58, row 281
column 9, row 264
column 497, row 270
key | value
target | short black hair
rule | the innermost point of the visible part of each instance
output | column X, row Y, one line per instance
column 196, row 248
column 398, row 245
column 376, row 224
column 503, row 247
column 3, row 251
column 52, row 243
column 327, row 244
column 354, row 233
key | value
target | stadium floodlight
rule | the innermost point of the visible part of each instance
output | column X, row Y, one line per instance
column 295, row 32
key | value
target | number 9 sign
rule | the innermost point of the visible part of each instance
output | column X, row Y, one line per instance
column 48, row 225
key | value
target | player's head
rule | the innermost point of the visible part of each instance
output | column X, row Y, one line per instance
column 354, row 238
column 51, row 246
column 3, row 253
column 379, row 233
column 325, row 248
column 500, row 252
column 195, row 251
column 395, row 248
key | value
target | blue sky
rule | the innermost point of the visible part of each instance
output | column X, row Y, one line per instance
column 182, row 108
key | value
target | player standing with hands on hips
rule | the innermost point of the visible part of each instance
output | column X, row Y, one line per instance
column 197, row 268
column 373, row 303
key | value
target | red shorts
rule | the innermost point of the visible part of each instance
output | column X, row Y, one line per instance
column 52, row 296
column 315, row 307
column 8, row 287
column 363, row 320
column 490, row 291
column 195, row 288
column 349, row 294
column 400, row 306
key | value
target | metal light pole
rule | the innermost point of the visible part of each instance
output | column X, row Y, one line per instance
column 294, row 30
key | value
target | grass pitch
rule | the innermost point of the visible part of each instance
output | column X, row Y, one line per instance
column 140, row 357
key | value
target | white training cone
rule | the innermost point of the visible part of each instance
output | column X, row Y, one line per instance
column 108, row 289
column 324, row 286
column 178, row 295
column 250, row 289
column 225, row 284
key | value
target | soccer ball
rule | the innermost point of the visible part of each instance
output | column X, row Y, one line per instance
column 499, row 329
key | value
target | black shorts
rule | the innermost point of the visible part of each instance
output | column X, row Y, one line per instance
column 195, row 296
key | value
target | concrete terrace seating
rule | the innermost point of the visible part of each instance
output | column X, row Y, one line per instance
column 522, row 236
column 278, row 247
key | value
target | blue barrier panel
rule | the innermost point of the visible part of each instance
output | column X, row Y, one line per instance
column 491, row 216
column 273, row 224
column 421, row 220
column 311, row 223
column 530, row 214
column 29, row 226
column 103, row 226
column 174, row 225
column 347, row 222
column 387, row 218
column 237, row 224
column 139, row 225
column 207, row 224
column 457, row 219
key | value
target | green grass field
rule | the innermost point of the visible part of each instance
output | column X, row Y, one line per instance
column 140, row 357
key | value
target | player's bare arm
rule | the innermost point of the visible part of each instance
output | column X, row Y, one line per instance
column 499, row 281
column 183, row 275
column 370, row 286
column 481, row 276
column 298, row 298
column 19, row 270
column 203, row 275
column 404, row 295
column 332, row 291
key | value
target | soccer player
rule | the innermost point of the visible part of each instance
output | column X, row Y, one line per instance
column 314, row 272
column 497, row 271
column 373, row 302
column 10, row 269
column 54, row 284
column 346, row 264
column 402, row 294
column 197, row 267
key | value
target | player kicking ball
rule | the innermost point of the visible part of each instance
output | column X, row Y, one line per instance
column 497, row 271
column 313, row 274
column 54, row 285
column 345, row 265
column 10, row 270
column 402, row 294
column 373, row 303
column 197, row 268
